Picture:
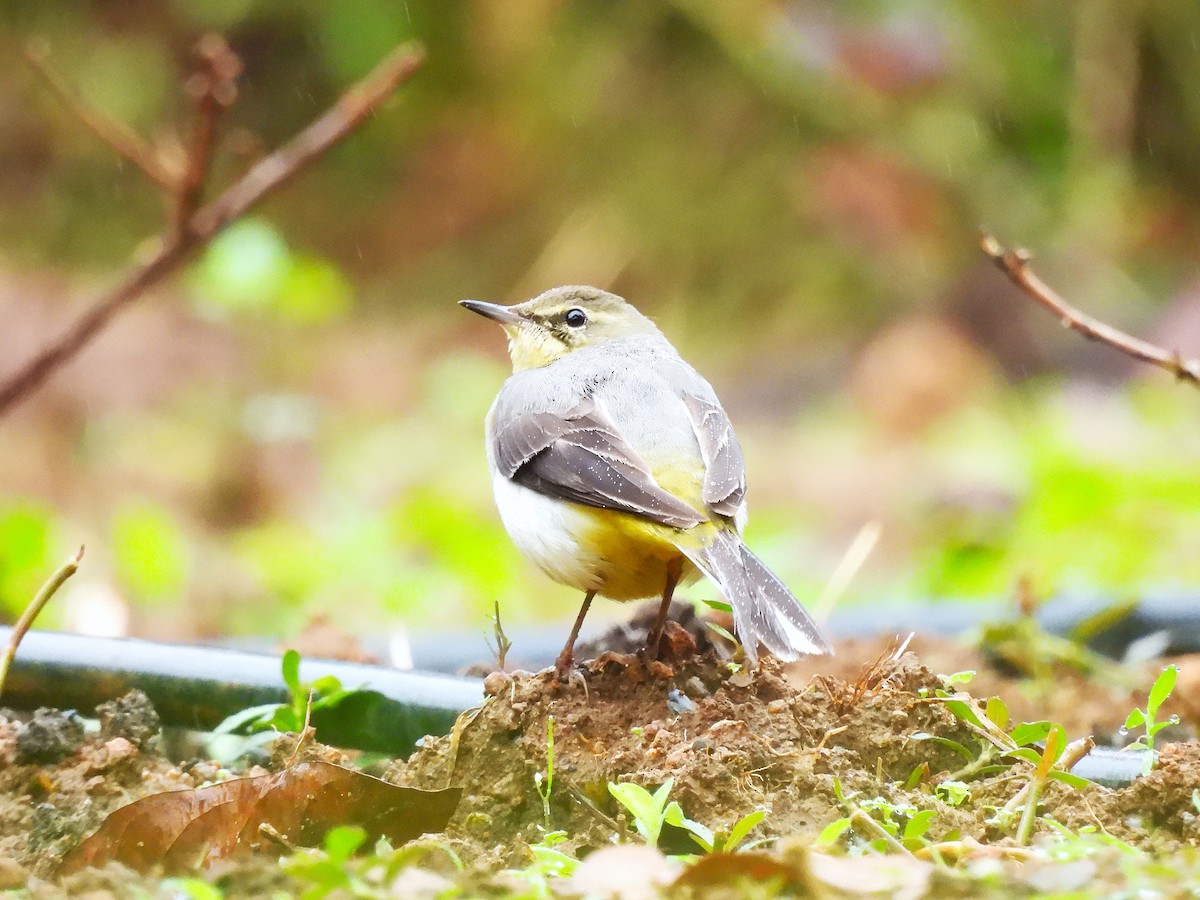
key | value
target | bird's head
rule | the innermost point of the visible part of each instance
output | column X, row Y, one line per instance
column 561, row 320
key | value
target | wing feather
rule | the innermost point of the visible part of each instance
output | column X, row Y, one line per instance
column 579, row 455
column 724, row 467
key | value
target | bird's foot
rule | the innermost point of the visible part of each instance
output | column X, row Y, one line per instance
column 565, row 669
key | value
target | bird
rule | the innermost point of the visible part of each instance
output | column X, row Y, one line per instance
column 617, row 472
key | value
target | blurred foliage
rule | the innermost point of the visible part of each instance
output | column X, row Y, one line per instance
column 791, row 187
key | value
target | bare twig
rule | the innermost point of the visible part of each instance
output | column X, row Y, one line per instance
column 214, row 88
column 116, row 134
column 1015, row 264
column 176, row 246
column 19, row 630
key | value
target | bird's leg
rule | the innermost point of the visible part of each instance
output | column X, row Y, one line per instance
column 562, row 666
column 674, row 570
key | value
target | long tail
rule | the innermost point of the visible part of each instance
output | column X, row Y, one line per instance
column 764, row 610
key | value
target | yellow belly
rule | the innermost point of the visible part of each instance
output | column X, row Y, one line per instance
column 632, row 554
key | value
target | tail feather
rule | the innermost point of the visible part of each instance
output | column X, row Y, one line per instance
column 764, row 610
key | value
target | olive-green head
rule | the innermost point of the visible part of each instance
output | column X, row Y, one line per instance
column 561, row 320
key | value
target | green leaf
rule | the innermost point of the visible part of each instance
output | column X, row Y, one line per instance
column 997, row 711
column 663, row 792
column 831, row 832
column 964, row 711
column 343, row 841
column 1028, row 754
column 643, row 806
column 1135, row 719
column 954, row 792
column 963, row 677
column 1161, row 690
column 259, row 716
column 918, row 824
column 722, row 631
column 1030, row 732
column 1070, row 778
column 291, row 673
column 966, row 754
column 741, row 828
column 701, row 834
column 719, row 605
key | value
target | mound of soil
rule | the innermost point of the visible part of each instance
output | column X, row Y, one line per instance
column 736, row 741
column 732, row 741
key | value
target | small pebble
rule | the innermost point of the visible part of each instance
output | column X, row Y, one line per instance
column 741, row 679
column 695, row 688
column 496, row 683
column 50, row 736
column 131, row 717
column 777, row 707
column 679, row 703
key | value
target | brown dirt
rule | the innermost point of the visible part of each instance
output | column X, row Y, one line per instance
column 777, row 739
column 750, row 742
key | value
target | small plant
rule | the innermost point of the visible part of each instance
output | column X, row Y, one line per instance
column 1147, row 718
column 502, row 643
column 343, row 868
column 953, row 792
column 651, row 811
column 544, row 782
column 293, row 715
column 270, row 718
column 883, row 826
column 548, row 864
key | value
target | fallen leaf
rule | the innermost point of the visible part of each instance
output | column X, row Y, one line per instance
column 181, row 830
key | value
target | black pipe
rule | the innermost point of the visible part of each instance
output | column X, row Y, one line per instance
column 1174, row 616
column 198, row 687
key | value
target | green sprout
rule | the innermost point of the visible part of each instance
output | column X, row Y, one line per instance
column 544, row 782
column 651, row 811
column 303, row 699
column 1148, row 718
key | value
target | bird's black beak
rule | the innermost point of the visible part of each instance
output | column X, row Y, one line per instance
column 505, row 315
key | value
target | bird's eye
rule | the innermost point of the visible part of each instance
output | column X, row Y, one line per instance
column 576, row 318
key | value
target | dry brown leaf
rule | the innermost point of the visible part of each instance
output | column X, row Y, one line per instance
column 181, row 830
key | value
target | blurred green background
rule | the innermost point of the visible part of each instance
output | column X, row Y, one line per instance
column 792, row 189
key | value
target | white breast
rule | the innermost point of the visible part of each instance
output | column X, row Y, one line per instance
column 546, row 531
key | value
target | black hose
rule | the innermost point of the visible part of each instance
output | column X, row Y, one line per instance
column 198, row 687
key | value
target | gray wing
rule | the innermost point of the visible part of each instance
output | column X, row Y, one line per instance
column 579, row 455
column 724, row 466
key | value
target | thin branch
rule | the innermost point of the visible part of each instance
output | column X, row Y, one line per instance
column 19, row 630
column 178, row 245
column 113, row 132
column 214, row 88
column 1015, row 264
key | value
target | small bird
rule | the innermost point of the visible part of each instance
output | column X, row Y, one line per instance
column 617, row 472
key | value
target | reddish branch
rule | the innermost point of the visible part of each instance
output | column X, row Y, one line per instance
column 116, row 134
column 1015, row 264
column 213, row 89
column 194, row 229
